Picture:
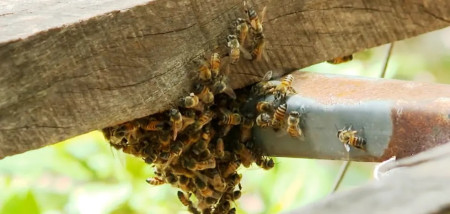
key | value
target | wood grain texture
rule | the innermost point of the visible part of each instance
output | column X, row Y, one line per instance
column 126, row 64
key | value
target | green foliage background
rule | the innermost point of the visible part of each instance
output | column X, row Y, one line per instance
column 84, row 175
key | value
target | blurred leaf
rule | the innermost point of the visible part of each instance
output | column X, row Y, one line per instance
column 19, row 203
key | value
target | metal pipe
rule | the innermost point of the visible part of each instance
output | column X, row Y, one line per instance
column 396, row 118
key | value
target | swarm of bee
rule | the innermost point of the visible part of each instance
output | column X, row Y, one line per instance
column 192, row 146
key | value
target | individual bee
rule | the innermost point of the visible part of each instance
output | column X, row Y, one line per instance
column 204, row 119
column 229, row 118
column 278, row 117
column 233, row 180
column 188, row 117
column 200, row 146
column 222, row 86
column 246, row 129
column 255, row 21
column 206, row 164
column 205, row 190
column 190, row 101
column 232, row 196
column 236, row 49
column 341, row 59
column 258, row 47
column 204, row 93
column 218, row 182
column 171, row 178
column 263, row 87
column 177, row 122
column 231, row 168
column 293, row 124
column 264, row 106
column 204, row 74
column 155, row 181
column 155, row 125
column 348, row 138
column 263, row 120
column 215, row 65
column 164, row 140
column 265, row 163
column 242, row 29
column 184, row 199
column 284, row 88
column 183, row 183
column 245, row 154
column 220, row 148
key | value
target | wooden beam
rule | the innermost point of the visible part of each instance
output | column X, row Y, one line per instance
column 121, row 65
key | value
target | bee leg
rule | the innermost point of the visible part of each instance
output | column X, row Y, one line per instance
column 347, row 147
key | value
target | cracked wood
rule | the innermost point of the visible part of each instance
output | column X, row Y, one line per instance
column 74, row 78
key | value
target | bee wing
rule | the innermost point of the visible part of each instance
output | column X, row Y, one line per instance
column 225, row 66
column 263, row 13
column 245, row 53
column 347, row 147
column 267, row 76
column 230, row 92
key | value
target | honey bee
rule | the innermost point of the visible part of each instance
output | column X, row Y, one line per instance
column 246, row 129
column 263, row 120
column 265, row 163
column 245, row 155
column 164, row 139
column 177, row 122
column 222, row 86
column 232, row 196
column 258, row 47
column 184, row 199
column 284, row 88
column 348, row 138
column 341, row 59
column 229, row 118
column 242, row 29
column 188, row 118
column 183, row 183
column 255, row 21
column 206, row 164
column 278, row 117
column 204, row 71
column 233, row 180
column 171, row 178
column 200, row 146
column 293, row 124
column 192, row 209
column 155, row 181
column 223, row 207
column 264, row 106
column 231, row 168
column 236, row 49
column 204, row 93
column 190, row 101
column 205, row 190
column 215, row 65
column 204, row 118
column 155, row 125
column 220, row 148
column 218, row 182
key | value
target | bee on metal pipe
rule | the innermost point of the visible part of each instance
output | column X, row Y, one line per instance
column 263, row 87
column 284, row 88
column 177, row 122
column 294, row 124
column 348, row 138
column 264, row 106
column 229, row 118
column 265, row 162
column 204, row 71
column 341, row 59
column 278, row 117
column 263, row 120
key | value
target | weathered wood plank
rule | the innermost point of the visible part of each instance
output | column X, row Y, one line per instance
column 111, row 68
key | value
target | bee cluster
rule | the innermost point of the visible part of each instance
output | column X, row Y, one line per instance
column 192, row 147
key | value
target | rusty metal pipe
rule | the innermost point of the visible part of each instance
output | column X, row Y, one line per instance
column 397, row 118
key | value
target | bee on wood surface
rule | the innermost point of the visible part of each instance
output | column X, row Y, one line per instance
column 294, row 124
column 348, row 138
column 284, row 88
column 263, row 120
column 177, row 122
column 190, row 101
column 204, row 93
column 341, row 59
column 204, row 71
column 236, row 49
column 155, row 181
column 221, row 85
column 278, row 117
column 258, row 47
column 246, row 129
column 254, row 19
column 242, row 30
column 215, row 65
